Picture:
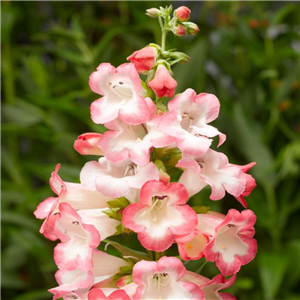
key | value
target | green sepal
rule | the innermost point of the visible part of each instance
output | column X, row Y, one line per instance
column 160, row 165
column 121, row 202
column 147, row 90
column 121, row 229
column 169, row 157
column 161, row 107
column 201, row 209
column 114, row 213
column 128, row 252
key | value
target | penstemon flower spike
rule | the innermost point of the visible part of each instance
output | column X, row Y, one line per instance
column 130, row 187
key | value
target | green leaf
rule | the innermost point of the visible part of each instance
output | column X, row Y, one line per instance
column 34, row 295
column 22, row 113
column 11, row 281
column 248, row 140
column 8, row 18
column 272, row 267
column 127, row 251
column 19, row 219
column 182, row 73
column 293, row 273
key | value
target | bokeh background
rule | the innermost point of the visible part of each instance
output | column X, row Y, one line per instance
column 247, row 53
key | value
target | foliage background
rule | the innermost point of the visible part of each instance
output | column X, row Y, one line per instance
column 247, row 53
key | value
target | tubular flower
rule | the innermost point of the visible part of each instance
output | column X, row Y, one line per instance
column 163, row 84
column 191, row 246
column 144, row 59
column 162, row 280
column 211, row 287
column 72, row 193
column 213, row 168
column 161, row 214
column 87, row 144
column 117, row 179
column 187, row 121
column 79, row 282
column 121, row 89
column 133, row 141
column 231, row 242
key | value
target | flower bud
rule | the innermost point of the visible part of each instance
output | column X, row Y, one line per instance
column 163, row 84
column 191, row 28
column 182, row 13
column 153, row 12
column 179, row 30
column 144, row 59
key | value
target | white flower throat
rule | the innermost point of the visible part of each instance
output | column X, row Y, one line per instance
column 121, row 88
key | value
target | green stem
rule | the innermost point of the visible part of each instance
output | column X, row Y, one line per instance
column 150, row 254
column 158, row 255
column 163, row 34
column 201, row 267
column 163, row 40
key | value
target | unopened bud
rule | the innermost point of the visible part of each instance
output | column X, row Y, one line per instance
column 179, row 30
column 182, row 13
column 180, row 57
column 191, row 28
column 153, row 12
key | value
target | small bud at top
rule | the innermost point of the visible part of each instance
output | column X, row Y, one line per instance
column 182, row 13
column 153, row 12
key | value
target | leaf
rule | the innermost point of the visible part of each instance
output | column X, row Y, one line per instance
column 127, row 251
column 11, row 167
column 279, row 16
column 293, row 273
column 20, row 220
column 272, row 267
column 8, row 18
column 34, row 295
column 249, row 143
column 183, row 73
column 11, row 281
column 22, row 113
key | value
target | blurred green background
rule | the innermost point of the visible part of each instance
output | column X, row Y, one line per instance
column 247, row 53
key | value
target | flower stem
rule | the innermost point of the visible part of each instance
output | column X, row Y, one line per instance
column 201, row 267
column 163, row 34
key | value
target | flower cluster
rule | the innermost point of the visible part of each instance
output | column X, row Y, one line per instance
column 130, row 188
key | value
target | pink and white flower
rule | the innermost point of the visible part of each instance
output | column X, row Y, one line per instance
column 231, row 242
column 161, row 214
column 122, row 91
column 106, row 294
column 77, row 280
column 144, row 59
column 117, row 179
column 133, row 141
column 78, row 240
column 162, row 280
column 191, row 246
column 211, row 287
column 213, row 168
column 87, row 144
column 163, row 84
column 72, row 193
column 187, row 121
column 105, row 225
column 81, row 281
